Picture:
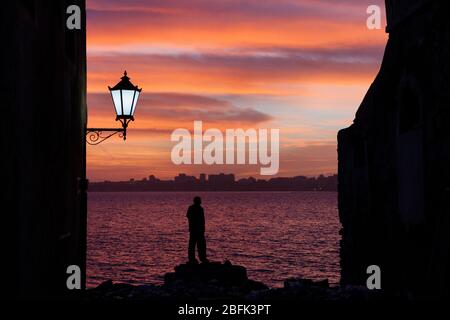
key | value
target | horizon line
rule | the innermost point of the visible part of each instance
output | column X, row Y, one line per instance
column 181, row 174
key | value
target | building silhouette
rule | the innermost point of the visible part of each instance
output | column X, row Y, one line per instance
column 44, row 99
column 394, row 176
column 219, row 182
column 221, row 179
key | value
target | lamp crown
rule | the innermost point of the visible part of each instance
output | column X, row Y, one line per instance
column 125, row 84
column 125, row 76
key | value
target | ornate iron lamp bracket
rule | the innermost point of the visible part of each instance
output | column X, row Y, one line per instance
column 96, row 136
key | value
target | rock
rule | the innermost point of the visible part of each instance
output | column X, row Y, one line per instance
column 253, row 285
column 322, row 283
column 225, row 274
column 210, row 280
column 106, row 285
column 109, row 290
column 226, row 281
column 299, row 283
column 294, row 283
column 144, row 292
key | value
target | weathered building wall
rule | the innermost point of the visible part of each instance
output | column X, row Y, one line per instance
column 394, row 161
column 43, row 90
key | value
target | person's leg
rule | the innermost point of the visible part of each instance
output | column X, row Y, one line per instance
column 201, row 246
column 191, row 250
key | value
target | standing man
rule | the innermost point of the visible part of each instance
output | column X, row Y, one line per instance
column 196, row 217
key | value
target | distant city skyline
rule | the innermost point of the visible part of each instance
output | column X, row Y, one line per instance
column 207, row 175
column 219, row 182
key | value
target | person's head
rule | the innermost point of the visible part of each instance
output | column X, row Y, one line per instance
column 197, row 201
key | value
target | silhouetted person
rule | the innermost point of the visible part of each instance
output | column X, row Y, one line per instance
column 196, row 217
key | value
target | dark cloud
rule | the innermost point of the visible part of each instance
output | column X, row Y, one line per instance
column 186, row 107
column 232, row 10
column 263, row 64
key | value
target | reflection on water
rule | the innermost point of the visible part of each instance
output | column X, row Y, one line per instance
column 136, row 237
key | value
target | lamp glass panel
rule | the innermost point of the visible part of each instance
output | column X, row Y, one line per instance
column 127, row 96
column 136, row 97
column 117, row 102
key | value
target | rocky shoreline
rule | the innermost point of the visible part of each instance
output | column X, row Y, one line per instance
column 216, row 281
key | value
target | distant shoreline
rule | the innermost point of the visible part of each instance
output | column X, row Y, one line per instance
column 221, row 182
column 185, row 191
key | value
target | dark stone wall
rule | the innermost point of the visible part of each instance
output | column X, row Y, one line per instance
column 43, row 99
column 394, row 161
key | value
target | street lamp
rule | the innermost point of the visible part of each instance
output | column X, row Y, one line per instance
column 125, row 96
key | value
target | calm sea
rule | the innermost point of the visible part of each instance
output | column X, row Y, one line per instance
column 136, row 237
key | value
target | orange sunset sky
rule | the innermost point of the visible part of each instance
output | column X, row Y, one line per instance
column 300, row 66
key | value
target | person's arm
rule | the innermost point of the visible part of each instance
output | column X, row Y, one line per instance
column 188, row 213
